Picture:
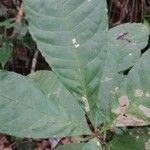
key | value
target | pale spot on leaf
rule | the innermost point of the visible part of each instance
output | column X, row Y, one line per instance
column 86, row 103
column 139, row 93
column 130, row 54
column 147, row 94
column 76, row 45
column 98, row 144
column 145, row 110
column 116, row 88
column 57, row 93
column 123, row 104
column 128, row 120
column 106, row 79
column 73, row 40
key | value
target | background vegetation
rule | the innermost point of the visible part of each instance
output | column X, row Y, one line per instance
column 19, row 53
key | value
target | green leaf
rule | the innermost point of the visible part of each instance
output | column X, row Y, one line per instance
column 28, row 111
column 124, row 51
column 8, row 23
column 5, row 52
column 133, row 139
column 132, row 103
column 91, row 145
column 54, row 89
column 125, row 45
column 137, row 87
column 71, row 35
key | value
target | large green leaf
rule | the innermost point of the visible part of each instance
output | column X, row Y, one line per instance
column 124, row 51
column 26, row 110
column 72, row 34
column 134, row 139
column 54, row 89
column 91, row 145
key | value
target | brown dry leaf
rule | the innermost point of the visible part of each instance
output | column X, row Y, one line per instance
column 3, row 142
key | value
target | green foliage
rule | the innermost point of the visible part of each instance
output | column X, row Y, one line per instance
column 124, row 50
column 5, row 52
column 8, row 23
column 74, row 30
column 134, row 139
column 100, row 79
column 40, row 113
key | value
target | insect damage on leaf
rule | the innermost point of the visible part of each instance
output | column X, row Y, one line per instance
column 125, row 119
column 123, row 37
column 123, row 104
column 128, row 120
column 76, row 45
column 145, row 110
column 139, row 93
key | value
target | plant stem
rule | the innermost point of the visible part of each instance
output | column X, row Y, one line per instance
column 34, row 61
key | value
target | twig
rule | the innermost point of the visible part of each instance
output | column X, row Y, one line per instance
column 19, row 17
column 34, row 61
column 20, row 13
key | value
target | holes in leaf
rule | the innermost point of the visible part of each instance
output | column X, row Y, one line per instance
column 146, row 48
column 125, row 72
column 124, row 37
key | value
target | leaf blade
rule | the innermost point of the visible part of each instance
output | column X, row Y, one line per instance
column 27, row 112
column 131, row 140
column 73, row 28
column 121, row 55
